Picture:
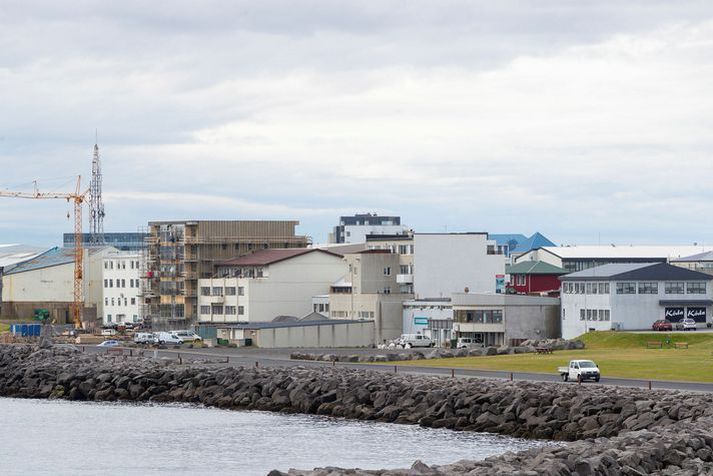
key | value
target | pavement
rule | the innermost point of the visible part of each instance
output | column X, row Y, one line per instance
column 281, row 358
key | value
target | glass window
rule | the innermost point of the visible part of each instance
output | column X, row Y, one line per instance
column 582, row 314
column 230, row 291
column 589, row 288
column 603, row 288
column 241, row 310
column 674, row 287
column 230, row 310
column 205, row 290
column 626, row 288
column 205, row 309
column 595, row 288
column 696, row 287
column 133, row 301
column 241, row 291
column 217, row 308
column 387, row 271
column 648, row 287
column 217, row 291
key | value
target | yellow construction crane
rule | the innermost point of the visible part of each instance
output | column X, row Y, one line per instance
column 78, row 198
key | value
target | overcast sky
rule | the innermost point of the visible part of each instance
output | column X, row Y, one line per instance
column 587, row 121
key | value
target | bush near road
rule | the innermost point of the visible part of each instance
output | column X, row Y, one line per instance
column 618, row 354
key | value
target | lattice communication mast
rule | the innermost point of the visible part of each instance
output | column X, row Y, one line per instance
column 96, row 206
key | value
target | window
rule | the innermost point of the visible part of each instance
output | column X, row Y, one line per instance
column 216, row 309
column 108, row 317
column 387, row 271
column 230, row 310
column 126, row 302
column 241, row 310
column 674, row 287
column 403, row 269
column 403, row 249
column 648, row 287
column 595, row 288
column 123, row 283
column 205, row 291
column 111, row 265
column 606, row 314
column 520, row 280
column 106, row 265
column 112, row 301
column 217, row 291
column 696, row 287
column 626, row 288
column 230, row 291
column 133, row 301
column 582, row 314
column 589, row 314
column 106, row 283
column 241, row 291
column 205, row 310
column 106, row 301
column 491, row 249
column 603, row 288
column 132, row 264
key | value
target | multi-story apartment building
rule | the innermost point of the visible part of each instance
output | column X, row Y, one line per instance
column 121, row 284
column 401, row 245
column 266, row 284
column 179, row 253
column 353, row 229
column 370, row 291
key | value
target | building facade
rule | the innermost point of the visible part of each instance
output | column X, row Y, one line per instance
column 505, row 319
column 701, row 262
column 179, row 253
column 120, row 288
column 401, row 245
column 446, row 263
column 429, row 317
column 369, row 291
column 534, row 277
column 354, row 229
column 266, row 284
column 632, row 297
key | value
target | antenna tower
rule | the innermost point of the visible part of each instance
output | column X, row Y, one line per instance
column 96, row 206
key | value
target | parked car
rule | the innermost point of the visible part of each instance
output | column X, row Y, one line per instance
column 144, row 338
column 109, row 332
column 662, row 325
column 109, row 343
column 188, row 336
column 406, row 341
column 467, row 343
column 580, row 370
column 688, row 324
column 167, row 338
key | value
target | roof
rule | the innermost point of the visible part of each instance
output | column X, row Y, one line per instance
column 637, row 272
column 626, row 251
column 53, row 257
column 299, row 323
column 271, row 256
column 13, row 254
column 519, row 243
column 535, row 267
column 705, row 256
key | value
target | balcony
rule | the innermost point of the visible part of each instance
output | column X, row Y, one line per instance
column 404, row 278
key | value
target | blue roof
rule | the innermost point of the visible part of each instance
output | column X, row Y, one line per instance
column 518, row 243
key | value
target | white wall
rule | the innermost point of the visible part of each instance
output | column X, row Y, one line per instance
column 448, row 263
column 120, row 303
column 357, row 233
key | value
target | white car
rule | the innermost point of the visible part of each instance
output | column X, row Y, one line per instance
column 167, row 338
column 188, row 336
column 580, row 370
column 688, row 324
column 467, row 343
column 144, row 338
column 406, row 341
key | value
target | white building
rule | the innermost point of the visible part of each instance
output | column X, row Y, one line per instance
column 446, row 263
column 120, row 287
column 355, row 228
column 47, row 282
column 578, row 258
column 632, row 297
column 430, row 317
column 267, row 283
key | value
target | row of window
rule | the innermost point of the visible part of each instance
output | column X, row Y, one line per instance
column 360, row 314
column 594, row 315
column 321, row 307
column 480, row 317
column 220, row 291
column 121, row 283
column 118, row 316
column 632, row 287
column 219, row 309
column 120, row 264
column 119, row 301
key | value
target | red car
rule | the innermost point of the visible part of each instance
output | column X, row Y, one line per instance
column 662, row 325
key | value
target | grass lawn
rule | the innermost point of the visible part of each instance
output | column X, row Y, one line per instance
column 617, row 354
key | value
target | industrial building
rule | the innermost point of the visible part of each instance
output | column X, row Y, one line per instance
column 10, row 255
column 179, row 253
column 265, row 284
column 505, row 319
column 632, row 296
column 47, row 282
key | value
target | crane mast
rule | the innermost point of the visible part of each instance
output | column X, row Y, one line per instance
column 96, row 205
column 78, row 198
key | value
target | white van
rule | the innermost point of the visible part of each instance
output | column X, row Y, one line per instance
column 406, row 341
column 144, row 338
column 188, row 336
column 467, row 343
column 167, row 338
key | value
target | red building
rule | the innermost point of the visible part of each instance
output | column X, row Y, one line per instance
column 534, row 277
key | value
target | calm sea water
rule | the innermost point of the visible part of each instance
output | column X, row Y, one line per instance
column 73, row 438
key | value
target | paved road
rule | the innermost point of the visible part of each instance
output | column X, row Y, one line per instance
column 252, row 357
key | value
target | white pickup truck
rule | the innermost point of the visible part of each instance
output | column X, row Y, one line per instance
column 580, row 370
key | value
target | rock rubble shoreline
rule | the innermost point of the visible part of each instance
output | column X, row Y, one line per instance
column 613, row 430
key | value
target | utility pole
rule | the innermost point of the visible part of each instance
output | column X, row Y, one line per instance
column 96, row 205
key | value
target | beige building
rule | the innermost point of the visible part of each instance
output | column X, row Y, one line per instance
column 401, row 245
column 179, row 253
column 47, row 282
column 266, row 284
column 370, row 291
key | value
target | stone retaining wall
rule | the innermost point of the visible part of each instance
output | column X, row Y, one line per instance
column 522, row 409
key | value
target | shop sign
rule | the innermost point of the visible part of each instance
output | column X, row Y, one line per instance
column 698, row 314
column 674, row 314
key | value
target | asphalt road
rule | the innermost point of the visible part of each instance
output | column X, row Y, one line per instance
column 253, row 357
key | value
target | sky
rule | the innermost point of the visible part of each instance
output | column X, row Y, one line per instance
column 589, row 121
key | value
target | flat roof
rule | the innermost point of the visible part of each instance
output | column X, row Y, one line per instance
column 637, row 272
column 624, row 251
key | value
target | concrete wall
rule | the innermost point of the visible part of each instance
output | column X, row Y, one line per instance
column 449, row 263
column 359, row 334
